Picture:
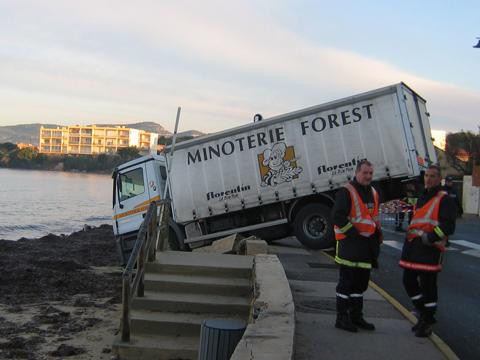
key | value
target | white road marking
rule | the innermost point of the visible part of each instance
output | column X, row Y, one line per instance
column 395, row 244
column 466, row 243
column 475, row 253
column 399, row 245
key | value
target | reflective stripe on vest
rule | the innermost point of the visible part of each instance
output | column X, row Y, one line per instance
column 425, row 219
column 355, row 264
column 360, row 217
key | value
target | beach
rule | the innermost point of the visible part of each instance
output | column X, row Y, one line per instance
column 60, row 296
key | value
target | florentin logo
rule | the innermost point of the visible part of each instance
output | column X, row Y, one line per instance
column 228, row 194
column 338, row 169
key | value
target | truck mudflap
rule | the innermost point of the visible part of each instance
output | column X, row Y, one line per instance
column 125, row 244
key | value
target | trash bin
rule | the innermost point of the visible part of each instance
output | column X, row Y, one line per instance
column 219, row 338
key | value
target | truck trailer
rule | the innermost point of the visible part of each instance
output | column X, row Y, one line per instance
column 278, row 176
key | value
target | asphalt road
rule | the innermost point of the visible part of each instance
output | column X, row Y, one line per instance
column 458, row 312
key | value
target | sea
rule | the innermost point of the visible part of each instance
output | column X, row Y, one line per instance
column 36, row 203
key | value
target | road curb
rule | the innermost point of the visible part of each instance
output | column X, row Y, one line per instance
column 437, row 341
column 270, row 333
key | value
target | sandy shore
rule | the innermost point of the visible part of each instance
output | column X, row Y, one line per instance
column 60, row 296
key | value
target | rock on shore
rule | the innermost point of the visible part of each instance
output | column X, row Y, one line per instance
column 57, row 290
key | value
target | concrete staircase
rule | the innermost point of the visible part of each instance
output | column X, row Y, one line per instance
column 181, row 291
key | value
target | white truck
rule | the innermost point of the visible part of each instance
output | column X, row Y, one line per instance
column 279, row 175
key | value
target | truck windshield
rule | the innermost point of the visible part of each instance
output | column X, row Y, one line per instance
column 132, row 184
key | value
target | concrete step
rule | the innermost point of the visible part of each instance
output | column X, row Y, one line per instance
column 202, row 264
column 192, row 303
column 161, row 347
column 172, row 323
column 197, row 284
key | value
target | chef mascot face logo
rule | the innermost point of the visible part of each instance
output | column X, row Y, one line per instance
column 278, row 165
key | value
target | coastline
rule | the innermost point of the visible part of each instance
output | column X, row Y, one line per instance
column 60, row 295
column 107, row 172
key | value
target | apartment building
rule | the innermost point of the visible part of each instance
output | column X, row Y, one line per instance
column 91, row 139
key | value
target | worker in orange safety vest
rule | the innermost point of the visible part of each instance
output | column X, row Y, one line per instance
column 425, row 242
column 358, row 236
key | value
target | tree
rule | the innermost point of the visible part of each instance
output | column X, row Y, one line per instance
column 128, row 153
column 168, row 140
column 464, row 143
column 7, row 147
column 27, row 153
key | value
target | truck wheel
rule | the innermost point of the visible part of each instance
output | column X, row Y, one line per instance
column 313, row 226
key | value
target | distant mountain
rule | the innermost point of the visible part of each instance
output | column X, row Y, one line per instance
column 191, row 133
column 29, row 133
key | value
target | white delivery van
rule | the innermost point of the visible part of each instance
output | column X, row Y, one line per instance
column 279, row 175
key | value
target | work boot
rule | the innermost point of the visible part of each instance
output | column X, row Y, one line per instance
column 430, row 320
column 419, row 310
column 343, row 322
column 356, row 307
column 424, row 329
column 363, row 324
column 415, row 327
column 343, row 319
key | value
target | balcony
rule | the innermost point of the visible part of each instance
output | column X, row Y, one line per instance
column 73, row 149
column 74, row 131
column 85, row 150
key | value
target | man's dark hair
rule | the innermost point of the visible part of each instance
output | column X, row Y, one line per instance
column 362, row 162
column 437, row 168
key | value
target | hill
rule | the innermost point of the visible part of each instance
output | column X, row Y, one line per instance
column 29, row 133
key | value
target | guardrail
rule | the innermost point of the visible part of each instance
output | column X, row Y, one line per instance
column 152, row 236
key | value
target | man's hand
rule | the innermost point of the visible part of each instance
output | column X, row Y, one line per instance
column 425, row 240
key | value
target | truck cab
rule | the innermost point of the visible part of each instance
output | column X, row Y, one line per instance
column 136, row 184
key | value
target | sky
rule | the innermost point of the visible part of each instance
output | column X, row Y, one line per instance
column 85, row 62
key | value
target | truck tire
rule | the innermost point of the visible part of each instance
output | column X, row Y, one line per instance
column 313, row 226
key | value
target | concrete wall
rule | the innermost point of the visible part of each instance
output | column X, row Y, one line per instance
column 471, row 197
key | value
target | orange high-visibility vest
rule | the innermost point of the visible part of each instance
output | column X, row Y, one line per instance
column 360, row 217
column 425, row 220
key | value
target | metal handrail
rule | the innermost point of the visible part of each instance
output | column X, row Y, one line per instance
column 152, row 236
